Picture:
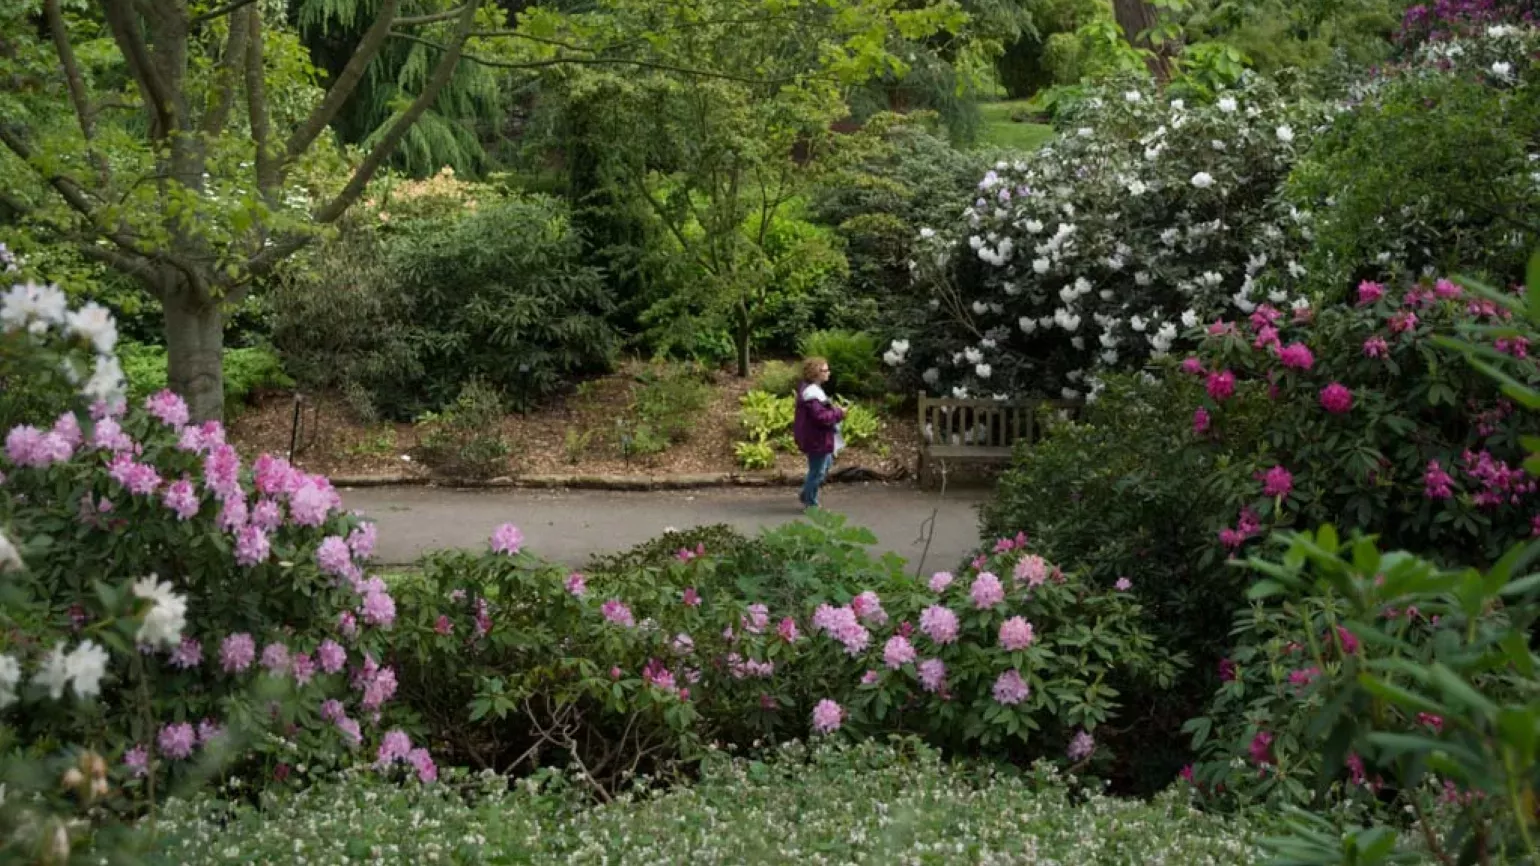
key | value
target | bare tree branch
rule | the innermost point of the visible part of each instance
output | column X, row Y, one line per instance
column 77, row 85
column 347, row 81
column 256, row 105
column 125, row 30
column 136, row 266
column 222, row 11
column 225, row 80
column 417, row 20
column 277, row 251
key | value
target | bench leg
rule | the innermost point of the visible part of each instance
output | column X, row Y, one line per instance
column 921, row 473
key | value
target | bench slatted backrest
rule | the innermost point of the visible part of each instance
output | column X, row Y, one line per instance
column 981, row 423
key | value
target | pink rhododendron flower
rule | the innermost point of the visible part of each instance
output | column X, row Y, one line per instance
column 1200, row 421
column 1123, row 584
column 237, row 652
column 1432, row 721
column 1264, row 316
column 331, row 656
column 1191, row 365
column 1518, row 347
column 898, row 652
column 176, row 741
column 1376, row 347
column 868, row 608
column 350, row 731
column 378, row 609
column 658, row 676
column 188, row 654
column 1227, row 670
column 940, row 581
column 1437, row 484
column 139, row 478
column 1010, row 688
column 932, row 673
column 1303, row 677
column 616, row 612
column 422, row 762
column 1080, row 747
column 137, row 760
column 827, row 717
column 1349, row 641
column 483, row 618
column 168, row 408
column 757, row 620
column 986, row 591
column 1369, row 292
column 1337, row 399
column 1277, row 481
column 1355, row 767
column 1296, row 356
column 275, row 657
column 1015, row 634
column 443, row 626
column 576, row 585
column 362, row 540
column 1261, row 748
column 267, row 515
column 1188, row 775
column 683, row 644
column 939, row 623
column 1403, row 322
column 1446, row 290
column 209, row 730
column 302, row 667
column 67, row 428
column 251, row 546
column 310, row 503
column 788, row 630
column 507, row 539
column 377, row 683
column 395, row 746
column 347, row 625
column 1031, row 570
column 1267, row 337
column 334, row 556
column 233, row 515
column 108, row 435
column 1219, row 326
column 1221, row 386
column 840, row 623
column 691, row 597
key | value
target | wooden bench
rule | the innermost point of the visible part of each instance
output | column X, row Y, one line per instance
column 978, row 431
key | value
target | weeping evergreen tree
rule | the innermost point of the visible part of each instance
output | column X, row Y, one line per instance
column 452, row 132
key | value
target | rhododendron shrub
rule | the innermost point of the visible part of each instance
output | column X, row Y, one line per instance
column 165, row 605
column 1104, row 249
column 643, row 666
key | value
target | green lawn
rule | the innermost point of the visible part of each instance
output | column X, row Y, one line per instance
column 998, row 130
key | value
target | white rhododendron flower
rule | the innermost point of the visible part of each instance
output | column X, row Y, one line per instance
column 1202, row 180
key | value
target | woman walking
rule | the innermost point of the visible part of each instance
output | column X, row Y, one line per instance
column 814, row 427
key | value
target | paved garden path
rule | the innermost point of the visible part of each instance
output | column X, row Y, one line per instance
column 570, row 526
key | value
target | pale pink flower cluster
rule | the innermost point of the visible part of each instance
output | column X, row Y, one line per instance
column 757, row 620
column 1031, row 570
column 167, row 408
column 616, row 612
column 176, row 741
column 939, row 623
column 1015, row 634
column 741, row 668
column 868, row 608
column 507, row 539
column 932, row 673
column 576, row 585
column 940, row 581
column 1010, row 688
column 827, row 717
column 986, row 591
column 236, row 652
column 840, row 623
column 331, row 656
column 898, row 652
column 377, row 683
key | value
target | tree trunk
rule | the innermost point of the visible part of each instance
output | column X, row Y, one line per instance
column 745, row 335
column 195, row 340
column 1135, row 17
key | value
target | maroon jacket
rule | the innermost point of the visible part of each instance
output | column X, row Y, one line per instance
column 813, row 425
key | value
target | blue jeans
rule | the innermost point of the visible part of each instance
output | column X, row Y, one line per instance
column 817, row 470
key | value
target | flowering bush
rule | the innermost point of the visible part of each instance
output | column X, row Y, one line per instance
column 635, row 669
column 166, row 608
column 1145, row 216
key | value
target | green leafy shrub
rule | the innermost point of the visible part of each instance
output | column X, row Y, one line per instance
column 854, row 370
column 742, row 809
column 668, row 399
column 778, row 377
column 767, row 414
column 417, row 307
column 754, row 454
column 247, row 371
column 860, row 425
column 720, row 539
column 466, row 439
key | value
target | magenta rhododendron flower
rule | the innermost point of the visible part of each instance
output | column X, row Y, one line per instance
column 137, row 760
column 616, row 612
column 1267, row 337
column 507, row 539
column 1188, row 776
column 331, row 656
column 1437, row 484
column 1303, row 677
column 757, row 619
column 868, row 608
column 1277, row 481
column 1191, row 365
column 788, row 630
column 422, row 762
column 1031, row 570
column 1261, row 748
column 1348, row 639
column 1369, row 292
column 334, row 556
column 1337, row 399
column 1403, row 322
column 237, row 652
column 1200, row 421
column 576, row 585
column 1355, row 765
column 898, row 652
column 691, row 597
column 940, row 581
column 1081, row 747
column 1264, row 316
column 1015, row 634
column 176, row 741
column 443, row 626
column 1221, row 385
column 1010, row 688
column 168, row 408
column 221, row 473
column 1296, row 356
column 1432, row 721
column 932, row 674
column 395, row 746
column 986, row 591
column 827, row 717
column 1123, row 584
column 1446, row 290
column 939, row 623
column 1227, row 670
